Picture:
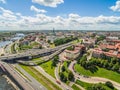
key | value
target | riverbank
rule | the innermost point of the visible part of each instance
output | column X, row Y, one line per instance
column 2, row 51
column 6, row 84
column 9, row 81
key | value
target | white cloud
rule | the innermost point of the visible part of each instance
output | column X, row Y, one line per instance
column 16, row 21
column 33, row 8
column 7, row 14
column 50, row 3
column 116, row 7
column 3, row 1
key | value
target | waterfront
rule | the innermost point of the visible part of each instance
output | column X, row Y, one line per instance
column 4, row 43
column 4, row 85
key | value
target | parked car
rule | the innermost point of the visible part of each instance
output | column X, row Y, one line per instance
column 58, row 82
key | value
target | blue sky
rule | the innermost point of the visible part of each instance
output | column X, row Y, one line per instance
column 60, row 14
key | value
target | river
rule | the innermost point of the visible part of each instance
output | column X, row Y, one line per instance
column 4, row 43
column 4, row 85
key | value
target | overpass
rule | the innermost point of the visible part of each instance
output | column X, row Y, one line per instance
column 45, row 58
column 34, row 53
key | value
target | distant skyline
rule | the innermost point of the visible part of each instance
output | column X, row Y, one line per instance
column 60, row 14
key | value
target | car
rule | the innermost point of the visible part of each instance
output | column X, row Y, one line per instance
column 58, row 82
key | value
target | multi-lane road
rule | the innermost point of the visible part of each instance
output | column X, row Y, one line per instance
column 24, row 83
column 33, row 52
column 31, row 84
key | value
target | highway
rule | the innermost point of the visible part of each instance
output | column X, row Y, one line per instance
column 31, row 84
column 23, row 82
column 63, row 86
column 17, row 77
column 33, row 52
column 32, row 81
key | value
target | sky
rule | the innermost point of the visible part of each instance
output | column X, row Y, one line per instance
column 59, row 14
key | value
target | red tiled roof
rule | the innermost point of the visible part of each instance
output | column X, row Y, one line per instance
column 75, row 51
column 117, row 41
column 107, row 46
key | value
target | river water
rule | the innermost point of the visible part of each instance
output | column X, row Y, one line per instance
column 4, row 43
column 4, row 85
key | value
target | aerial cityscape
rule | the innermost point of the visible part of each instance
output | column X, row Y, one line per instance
column 59, row 44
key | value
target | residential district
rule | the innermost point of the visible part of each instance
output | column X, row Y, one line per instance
column 60, row 60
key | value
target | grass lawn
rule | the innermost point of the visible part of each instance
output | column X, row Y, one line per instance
column 101, row 72
column 48, row 68
column 22, row 73
column 39, row 77
column 86, row 85
column 36, row 59
column 74, row 87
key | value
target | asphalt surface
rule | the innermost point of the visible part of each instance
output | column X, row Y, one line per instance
column 63, row 86
column 33, row 82
column 25, row 85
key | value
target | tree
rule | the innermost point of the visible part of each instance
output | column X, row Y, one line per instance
column 110, row 65
column 109, row 84
column 70, row 76
column 96, row 87
column 114, row 60
column 63, row 68
column 105, row 64
column 54, row 63
column 115, row 67
column 49, row 41
column 56, row 58
column 63, row 77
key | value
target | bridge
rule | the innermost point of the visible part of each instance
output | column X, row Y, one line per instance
column 34, row 53
column 48, row 53
column 46, row 58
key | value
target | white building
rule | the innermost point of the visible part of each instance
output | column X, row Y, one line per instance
column 112, row 38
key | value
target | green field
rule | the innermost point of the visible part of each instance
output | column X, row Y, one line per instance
column 101, row 72
column 74, row 87
column 39, row 77
column 86, row 85
column 36, row 59
column 48, row 68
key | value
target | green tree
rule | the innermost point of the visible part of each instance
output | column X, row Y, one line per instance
column 109, row 84
column 116, row 67
column 70, row 76
column 53, row 63
column 63, row 77
column 49, row 41
column 96, row 87
column 63, row 68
